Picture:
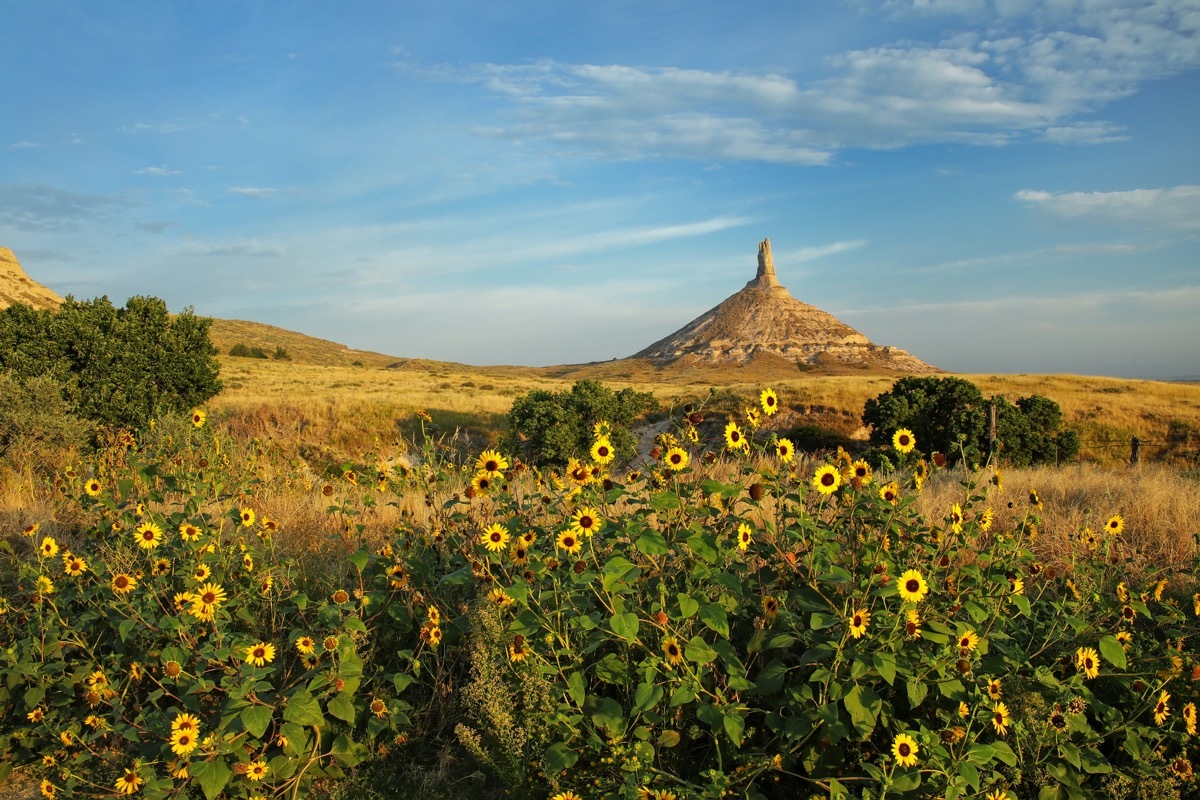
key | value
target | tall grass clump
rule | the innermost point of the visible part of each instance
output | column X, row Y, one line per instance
column 725, row 619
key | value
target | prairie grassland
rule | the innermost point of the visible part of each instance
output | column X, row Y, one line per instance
column 352, row 407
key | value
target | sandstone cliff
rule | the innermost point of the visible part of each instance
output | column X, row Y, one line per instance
column 17, row 287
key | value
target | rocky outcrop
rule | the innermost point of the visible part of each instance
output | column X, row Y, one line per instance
column 17, row 287
column 764, row 319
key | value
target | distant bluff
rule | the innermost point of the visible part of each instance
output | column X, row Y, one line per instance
column 17, row 287
column 764, row 320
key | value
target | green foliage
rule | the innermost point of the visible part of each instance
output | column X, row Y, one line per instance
column 550, row 428
column 281, row 354
column 724, row 629
column 37, row 428
column 242, row 350
column 1032, row 432
column 950, row 415
column 944, row 414
column 118, row 366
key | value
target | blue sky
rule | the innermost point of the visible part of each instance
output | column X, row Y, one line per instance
column 993, row 185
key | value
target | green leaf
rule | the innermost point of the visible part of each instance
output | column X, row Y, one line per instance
column 125, row 627
column 735, row 728
column 669, row 738
column 970, row 774
column 664, row 501
column 885, row 664
column 211, row 775
column 1094, row 762
column 863, row 705
column 609, row 715
column 559, row 758
column 713, row 615
column 917, row 691
column 819, row 621
column 256, row 720
column 698, row 652
column 646, row 697
column 1004, row 753
column 682, row 694
column 343, row 708
column 360, row 558
column 981, row 754
column 577, row 689
column 651, row 543
column 303, row 709
column 355, row 624
column 625, row 625
column 687, row 606
column 1112, row 652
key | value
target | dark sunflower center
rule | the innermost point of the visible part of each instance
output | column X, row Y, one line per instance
column 259, row 652
column 857, row 620
column 586, row 522
column 904, row 750
column 912, row 586
column 491, row 466
column 827, row 479
column 122, row 581
column 496, row 537
column 209, row 598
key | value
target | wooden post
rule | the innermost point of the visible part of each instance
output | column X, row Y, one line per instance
column 1133, row 450
column 992, row 432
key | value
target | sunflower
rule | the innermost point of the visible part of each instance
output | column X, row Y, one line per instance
column 340, row 597
column 73, row 565
column 602, row 451
column 985, row 519
column 579, row 472
column 48, row 548
column 329, row 643
column 785, row 450
column 677, row 459
column 671, row 650
column 47, row 788
column 516, row 649
column 44, row 585
column 198, row 417
column 305, row 645
column 161, row 566
column 586, row 521
column 890, row 493
column 569, row 541
column 494, row 537
column 1087, row 661
column 770, row 606
column 1115, row 525
column 994, row 689
column 257, row 770
column 481, row 483
column 247, row 517
column 904, row 748
column 205, row 601
column 956, row 518
column 379, row 708
column 92, row 487
column 183, row 742
column 500, row 597
column 1017, row 585
column 859, row 621
column 860, row 473
column 827, row 479
column 1161, row 709
column 172, row 669
column 123, row 584
column 734, row 439
column 1189, row 718
column 566, row 796
column 1001, row 718
column 1125, row 638
column 903, row 440
column 1034, row 499
column 202, row 573
column 260, row 654
column 912, row 586
column 769, row 401
column 129, row 782
column 37, row 715
column 148, row 535
column 491, row 463
column 745, row 535
column 968, row 640
column 189, row 532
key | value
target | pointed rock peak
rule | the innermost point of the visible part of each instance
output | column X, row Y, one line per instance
column 765, row 277
column 17, row 287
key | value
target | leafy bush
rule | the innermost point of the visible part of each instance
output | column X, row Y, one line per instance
column 37, row 428
column 119, row 366
column 950, row 415
column 550, row 428
column 243, row 350
column 281, row 354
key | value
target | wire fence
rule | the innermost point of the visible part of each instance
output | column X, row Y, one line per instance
column 1135, row 450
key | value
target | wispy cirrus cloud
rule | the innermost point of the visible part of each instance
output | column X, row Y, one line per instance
column 239, row 247
column 40, row 207
column 162, row 127
column 260, row 192
column 156, row 171
column 1177, row 207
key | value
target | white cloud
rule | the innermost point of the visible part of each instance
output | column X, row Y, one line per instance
column 813, row 253
column 24, row 145
column 261, row 192
column 1014, row 71
column 1177, row 207
column 162, row 127
column 156, row 171
column 240, row 247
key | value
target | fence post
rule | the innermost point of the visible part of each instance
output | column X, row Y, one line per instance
column 1133, row 450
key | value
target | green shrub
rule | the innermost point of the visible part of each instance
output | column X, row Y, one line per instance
column 242, row 350
column 550, row 428
column 37, row 428
column 119, row 367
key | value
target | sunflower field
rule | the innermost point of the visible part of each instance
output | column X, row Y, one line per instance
column 724, row 619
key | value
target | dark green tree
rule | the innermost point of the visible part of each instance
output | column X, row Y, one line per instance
column 944, row 414
column 117, row 366
column 1032, row 432
column 548, row 428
